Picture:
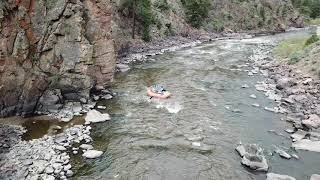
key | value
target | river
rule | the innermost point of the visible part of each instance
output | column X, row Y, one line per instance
column 193, row 134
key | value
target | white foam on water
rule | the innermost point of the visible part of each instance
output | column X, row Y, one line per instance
column 172, row 107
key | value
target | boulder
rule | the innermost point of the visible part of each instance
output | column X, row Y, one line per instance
column 91, row 154
column 60, row 148
column 49, row 177
column 315, row 177
column 253, row 157
column 86, row 146
column 94, row 116
column 306, row 144
column 285, row 83
column 299, row 135
column 312, row 122
column 273, row 176
column 123, row 67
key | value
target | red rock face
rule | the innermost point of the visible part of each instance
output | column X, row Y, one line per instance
column 55, row 45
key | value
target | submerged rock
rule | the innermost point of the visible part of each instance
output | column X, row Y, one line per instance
column 94, row 116
column 283, row 154
column 91, row 154
column 253, row 96
column 273, row 176
column 290, row 131
column 256, row 105
column 253, row 157
column 245, row 86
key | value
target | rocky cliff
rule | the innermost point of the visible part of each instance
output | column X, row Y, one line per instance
column 60, row 45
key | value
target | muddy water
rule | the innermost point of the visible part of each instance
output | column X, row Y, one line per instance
column 38, row 126
column 193, row 134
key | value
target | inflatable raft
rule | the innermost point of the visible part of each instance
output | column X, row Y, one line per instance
column 165, row 94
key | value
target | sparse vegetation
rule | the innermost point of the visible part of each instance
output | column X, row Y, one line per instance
column 50, row 3
column 287, row 48
column 67, row 29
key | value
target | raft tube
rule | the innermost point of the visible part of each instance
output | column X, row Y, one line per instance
column 165, row 95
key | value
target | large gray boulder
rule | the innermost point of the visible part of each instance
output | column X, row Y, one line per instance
column 91, row 154
column 306, row 144
column 94, row 116
column 253, row 157
column 312, row 122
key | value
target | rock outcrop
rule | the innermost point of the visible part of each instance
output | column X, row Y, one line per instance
column 65, row 45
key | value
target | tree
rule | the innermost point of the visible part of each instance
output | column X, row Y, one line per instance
column 140, row 10
column 130, row 5
column 315, row 9
column 310, row 8
column 196, row 11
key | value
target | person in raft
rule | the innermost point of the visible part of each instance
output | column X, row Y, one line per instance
column 158, row 91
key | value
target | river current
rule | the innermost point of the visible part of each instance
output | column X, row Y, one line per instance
column 193, row 134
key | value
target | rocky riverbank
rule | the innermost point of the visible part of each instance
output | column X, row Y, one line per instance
column 47, row 157
column 298, row 98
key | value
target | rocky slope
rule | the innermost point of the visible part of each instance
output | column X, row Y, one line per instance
column 47, row 44
column 256, row 15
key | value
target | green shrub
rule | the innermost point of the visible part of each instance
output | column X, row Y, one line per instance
column 218, row 25
column 314, row 38
column 196, row 11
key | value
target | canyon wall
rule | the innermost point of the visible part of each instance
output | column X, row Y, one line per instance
column 61, row 45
